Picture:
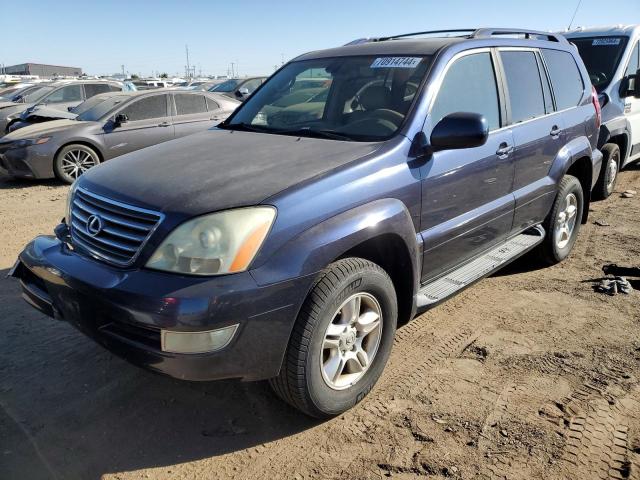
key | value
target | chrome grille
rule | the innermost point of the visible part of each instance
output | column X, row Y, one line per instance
column 111, row 231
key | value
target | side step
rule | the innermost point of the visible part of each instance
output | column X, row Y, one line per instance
column 438, row 290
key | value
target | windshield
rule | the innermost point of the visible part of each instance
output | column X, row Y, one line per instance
column 92, row 102
column 601, row 56
column 349, row 98
column 228, row 86
column 101, row 109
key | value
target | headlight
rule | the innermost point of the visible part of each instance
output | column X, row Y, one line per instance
column 67, row 212
column 223, row 242
column 29, row 141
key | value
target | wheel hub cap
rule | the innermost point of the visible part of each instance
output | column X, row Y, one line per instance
column 351, row 341
column 611, row 174
column 76, row 162
column 566, row 221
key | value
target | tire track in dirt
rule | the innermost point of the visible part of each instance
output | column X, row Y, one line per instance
column 425, row 344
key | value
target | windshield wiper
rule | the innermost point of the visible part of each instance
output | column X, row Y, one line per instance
column 302, row 132
column 245, row 127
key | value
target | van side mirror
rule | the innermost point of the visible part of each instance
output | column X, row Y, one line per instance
column 630, row 86
column 120, row 119
column 636, row 84
column 460, row 130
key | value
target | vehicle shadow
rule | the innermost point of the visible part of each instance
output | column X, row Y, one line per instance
column 69, row 409
column 527, row 263
column 11, row 183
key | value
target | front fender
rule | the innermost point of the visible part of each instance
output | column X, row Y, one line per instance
column 318, row 246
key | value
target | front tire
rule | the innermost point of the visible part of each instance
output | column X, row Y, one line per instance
column 341, row 340
column 609, row 172
column 74, row 160
column 563, row 222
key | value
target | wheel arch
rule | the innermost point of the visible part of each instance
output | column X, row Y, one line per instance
column 582, row 169
column 86, row 143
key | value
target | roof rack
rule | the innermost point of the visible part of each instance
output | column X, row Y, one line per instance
column 472, row 33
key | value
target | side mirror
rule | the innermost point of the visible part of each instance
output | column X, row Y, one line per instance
column 460, row 130
column 636, row 84
column 70, row 109
column 120, row 119
column 242, row 92
column 630, row 86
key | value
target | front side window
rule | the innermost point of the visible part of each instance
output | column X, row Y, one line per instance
column 565, row 78
column 147, row 108
column 633, row 65
column 364, row 98
column 601, row 56
column 70, row 93
column 189, row 104
column 98, row 107
column 226, row 87
column 469, row 86
column 523, row 84
column 251, row 85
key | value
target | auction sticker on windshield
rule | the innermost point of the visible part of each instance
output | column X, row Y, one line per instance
column 396, row 62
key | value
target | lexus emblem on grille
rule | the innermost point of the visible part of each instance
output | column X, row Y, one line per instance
column 94, row 225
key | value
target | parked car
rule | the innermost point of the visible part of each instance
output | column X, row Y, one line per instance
column 115, row 125
column 149, row 84
column 60, row 95
column 611, row 55
column 238, row 88
column 8, row 92
column 291, row 252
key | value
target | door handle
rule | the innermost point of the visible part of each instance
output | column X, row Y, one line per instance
column 555, row 131
column 164, row 124
column 504, row 150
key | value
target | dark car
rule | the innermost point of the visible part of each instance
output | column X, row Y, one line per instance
column 290, row 252
column 60, row 95
column 238, row 88
column 114, row 124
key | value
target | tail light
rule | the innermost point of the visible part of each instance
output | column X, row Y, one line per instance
column 596, row 104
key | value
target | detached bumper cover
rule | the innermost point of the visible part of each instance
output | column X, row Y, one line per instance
column 125, row 310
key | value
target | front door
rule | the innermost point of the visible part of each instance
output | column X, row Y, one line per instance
column 467, row 204
column 632, row 104
column 148, row 123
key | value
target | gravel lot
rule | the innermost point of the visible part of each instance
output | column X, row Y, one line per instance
column 528, row 374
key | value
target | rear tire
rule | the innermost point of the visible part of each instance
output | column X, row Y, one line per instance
column 563, row 222
column 325, row 371
column 74, row 160
column 609, row 172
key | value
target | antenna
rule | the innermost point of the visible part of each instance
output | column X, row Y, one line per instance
column 574, row 14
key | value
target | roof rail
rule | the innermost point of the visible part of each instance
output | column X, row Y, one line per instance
column 468, row 31
column 472, row 33
column 490, row 32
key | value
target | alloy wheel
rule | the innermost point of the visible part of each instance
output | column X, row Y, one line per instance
column 77, row 162
column 566, row 221
column 351, row 341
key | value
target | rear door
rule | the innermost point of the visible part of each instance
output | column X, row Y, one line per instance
column 191, row 114
column 538, row 132
column 149, row 123
column 467, row 204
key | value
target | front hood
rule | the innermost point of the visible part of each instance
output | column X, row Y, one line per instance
column 48, row 112
column 9, row 104
column 39, row 129
column 218, row 169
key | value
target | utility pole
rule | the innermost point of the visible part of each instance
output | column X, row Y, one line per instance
column 233, row 72
column 188, row 66
column 123, row 75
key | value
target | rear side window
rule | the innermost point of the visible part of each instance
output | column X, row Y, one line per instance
column 212, row 105
column 523, row 84
column 91, row 89
column 469, row 86
column 565, row 78
column 147, row 108
column 189, row 104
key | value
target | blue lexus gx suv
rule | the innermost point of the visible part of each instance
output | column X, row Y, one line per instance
column 288, row 242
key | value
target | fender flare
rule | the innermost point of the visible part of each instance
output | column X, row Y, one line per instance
column 312, row 250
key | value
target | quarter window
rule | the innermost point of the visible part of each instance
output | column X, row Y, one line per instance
column 70, row 93
column 524, row 86
column 565, row 78
column 189, row 104
column 469, row 86
column 212, row 105
column 147, row 108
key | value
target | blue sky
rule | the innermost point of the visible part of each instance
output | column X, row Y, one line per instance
column 149, row 36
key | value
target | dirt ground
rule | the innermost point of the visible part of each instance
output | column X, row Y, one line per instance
column 528, row 374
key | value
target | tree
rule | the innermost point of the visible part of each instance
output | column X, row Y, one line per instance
column 164, row 75
column 134, row 76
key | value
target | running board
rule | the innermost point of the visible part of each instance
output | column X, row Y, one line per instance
column 493, row 260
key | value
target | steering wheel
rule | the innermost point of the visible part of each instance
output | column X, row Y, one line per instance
column 598, row 77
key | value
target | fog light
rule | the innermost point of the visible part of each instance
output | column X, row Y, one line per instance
column 197, row 342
